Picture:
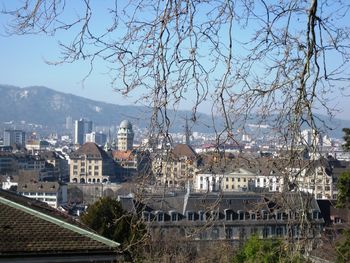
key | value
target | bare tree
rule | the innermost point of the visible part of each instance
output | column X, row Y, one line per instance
column 278, row 60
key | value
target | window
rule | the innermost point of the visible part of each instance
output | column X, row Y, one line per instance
column 226, row 179
column 238, row 179
column 75, row 167
column 232, row 187
column 229, row 233
column 232, row 179
column 201, row 215
column 226, row 186
column 201, row 186
column 266, row 232
column 201, row 178
column 160, row 217
column 265, row 215
column 279, row 216
column 190, row 216
column 174, row 216
column 215, row 233
column 229, row 215
column 244, row 179
column 240, row 215
column 253, row 216
column 146, row 216
column 279, row 231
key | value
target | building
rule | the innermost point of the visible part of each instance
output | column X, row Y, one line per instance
column 69, row 123
column 125, row 136
column 37, row 145
column 238, row 180
column 52, row 193
column 97, row 137
column 81, row 128
column 176, row 168
column 34, row 232
column 14, row 137
column 91, row 164
column 232, row 217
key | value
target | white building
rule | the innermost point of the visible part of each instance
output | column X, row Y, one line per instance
column 52, row 193
column 238, row 180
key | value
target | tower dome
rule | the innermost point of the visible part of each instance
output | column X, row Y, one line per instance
column 125, row 124
column 125, row 136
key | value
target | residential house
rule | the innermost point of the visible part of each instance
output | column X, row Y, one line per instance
column 91, row 164
column 52, row 193
column 177, row 167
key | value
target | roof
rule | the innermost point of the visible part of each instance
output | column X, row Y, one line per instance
column 122, row 155
column 184, row 150
column 91, row 150
column 125, row 124
column 28, row 227
column 247, row 201
column 38, row 187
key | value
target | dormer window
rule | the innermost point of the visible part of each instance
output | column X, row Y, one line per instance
column 160, row 217
column 228, row 215
column 240, row 215
column 174, row 216
column 264, row 215
column 190, row 216
column 215, row 215
column 146, row 216
column 201, row 215
column 279, row 216
column 252, row 216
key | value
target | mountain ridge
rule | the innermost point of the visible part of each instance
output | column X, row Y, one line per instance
column 42, row 105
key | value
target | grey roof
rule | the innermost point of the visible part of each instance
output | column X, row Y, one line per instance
column 126, row 124
column 38, row 187
column 232, row 201
column 29, row 228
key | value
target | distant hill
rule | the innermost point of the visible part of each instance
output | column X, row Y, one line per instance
column 41, row 105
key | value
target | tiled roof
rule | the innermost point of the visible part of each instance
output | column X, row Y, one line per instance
column 38, row 187
column 91, row 150
column 184, row 150
column 234, row 201
column 28, row 227
column 122, row 155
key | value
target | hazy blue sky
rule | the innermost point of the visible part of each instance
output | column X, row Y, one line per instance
column 22, row 63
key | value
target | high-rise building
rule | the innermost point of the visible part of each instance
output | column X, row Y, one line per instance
column 14, row 137
column 69, row 123
column 97, row 137
column 81, row 128
column 125, row 136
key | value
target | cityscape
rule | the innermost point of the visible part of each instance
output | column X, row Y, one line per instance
column 224, row 135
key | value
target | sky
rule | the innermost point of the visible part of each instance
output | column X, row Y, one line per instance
column 23, row 63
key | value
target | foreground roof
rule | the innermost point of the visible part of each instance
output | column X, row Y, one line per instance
column 29, row 228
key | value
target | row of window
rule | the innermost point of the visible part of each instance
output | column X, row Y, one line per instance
column 229, row 215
